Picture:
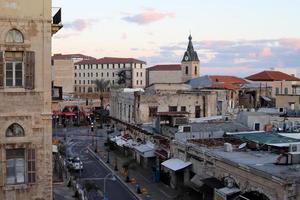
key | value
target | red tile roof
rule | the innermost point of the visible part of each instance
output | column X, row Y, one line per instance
column 165, row 67
column 226, row 86
column 272, row 76
column 227, row 79
column 71, row 56
column 108, row 60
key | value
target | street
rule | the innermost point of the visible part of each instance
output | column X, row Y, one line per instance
column 78, row 142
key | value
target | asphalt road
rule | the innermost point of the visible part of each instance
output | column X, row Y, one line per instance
column 78, row 141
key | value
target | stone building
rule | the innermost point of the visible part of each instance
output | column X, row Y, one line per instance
column 26, row 28
column 176, row 73
column 63, row 75
column 123, row 72
column 142, row 106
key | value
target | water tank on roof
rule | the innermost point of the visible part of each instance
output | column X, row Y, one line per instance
column 228, row 147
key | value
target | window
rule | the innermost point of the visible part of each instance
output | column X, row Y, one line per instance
column 96, row 74
column 113, row 74
column 113, row 82
column 173, row 108
column 88, row 74
column 107, row 74
column 257, row 126
column 79, row 74
column 91, row 74
column 186, row 70
column 196, row 70
column 197, row 111
column 75, row 82
column 14, row 36
column 31, row 165
column 88, row 81
column 15, row 166
column 286, row 91
column 152, row 111
column 277, row 90
column 182, row 108
column 101, row 74
column 137, row 82
column 83, row 81
column 15, row 130
column 141, row 74
column 141, row 82
column 14, row 74
column 79, row 81
column 137, row 74
column 83, row 74
column 75, row 67
column 75, row 74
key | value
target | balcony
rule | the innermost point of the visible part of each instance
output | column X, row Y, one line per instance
column 56, row 20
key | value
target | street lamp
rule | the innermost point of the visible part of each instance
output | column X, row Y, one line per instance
column 113, row 178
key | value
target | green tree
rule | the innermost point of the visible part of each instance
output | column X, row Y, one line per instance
column 101, row 85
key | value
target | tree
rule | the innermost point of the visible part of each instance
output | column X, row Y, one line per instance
column 101, row 85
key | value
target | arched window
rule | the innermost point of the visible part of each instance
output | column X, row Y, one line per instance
column 186, row 70
column 196, row 71
column 14, row 36
column 15, row 130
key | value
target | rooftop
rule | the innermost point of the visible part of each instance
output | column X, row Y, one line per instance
column 227, row 79
column 110, row 60
column 272, row 76
column 165, row 67
column 71, row 56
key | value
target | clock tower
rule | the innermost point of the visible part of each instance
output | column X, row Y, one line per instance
column 190, row 63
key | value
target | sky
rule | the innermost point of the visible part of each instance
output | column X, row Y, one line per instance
column 237, row 37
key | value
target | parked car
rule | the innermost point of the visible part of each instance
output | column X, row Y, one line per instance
column 74, row 163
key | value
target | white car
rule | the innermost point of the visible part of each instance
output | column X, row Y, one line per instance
column 76, row 164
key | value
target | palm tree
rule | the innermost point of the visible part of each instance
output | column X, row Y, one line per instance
column 101, row 85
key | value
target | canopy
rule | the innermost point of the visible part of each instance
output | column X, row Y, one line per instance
column 175, row 164
column 145, row 150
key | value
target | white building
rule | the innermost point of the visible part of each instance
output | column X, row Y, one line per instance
column 124, row 72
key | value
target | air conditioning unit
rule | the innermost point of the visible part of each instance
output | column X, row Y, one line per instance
column 184, row 129
column 294, row 147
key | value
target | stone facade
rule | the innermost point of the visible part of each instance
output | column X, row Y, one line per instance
column 63, row 75
column 138, row 107
column 25, row 106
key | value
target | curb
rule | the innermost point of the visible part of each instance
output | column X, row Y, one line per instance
column 112, row 171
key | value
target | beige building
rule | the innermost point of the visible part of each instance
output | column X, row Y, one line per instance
column 288, row 101
column 63, row 74
column 142, row 106
column 25, row 92
column 281, row 83
column 168, row 73
column 176, row 73
column 121, row 72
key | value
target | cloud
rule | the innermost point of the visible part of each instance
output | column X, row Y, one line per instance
column 80, row 24
column 266, row 52
column 234, row 57
column 148, row 16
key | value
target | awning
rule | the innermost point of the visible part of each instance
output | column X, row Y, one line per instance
column 228, row 191
column 175, row 164
column 197, row 182
column 265, row 98
column 145, row 150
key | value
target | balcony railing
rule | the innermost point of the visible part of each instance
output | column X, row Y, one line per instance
column 56, row 20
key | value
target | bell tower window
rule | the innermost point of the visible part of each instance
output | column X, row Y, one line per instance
column 196, row 71
column 186, row 70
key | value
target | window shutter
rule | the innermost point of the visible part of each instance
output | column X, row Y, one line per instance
column 31, row 166
column 29, row 69
column 1, row 69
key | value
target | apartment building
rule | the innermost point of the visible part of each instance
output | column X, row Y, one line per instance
column 121, row 72
column 26, row 28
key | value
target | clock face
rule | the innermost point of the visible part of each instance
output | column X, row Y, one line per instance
column 186, row 58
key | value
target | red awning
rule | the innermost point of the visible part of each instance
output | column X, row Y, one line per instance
column 68, row 114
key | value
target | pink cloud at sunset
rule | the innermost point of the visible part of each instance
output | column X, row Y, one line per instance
column 80, row 24
column 148, row 16
column 266, row 52
column 291, row 42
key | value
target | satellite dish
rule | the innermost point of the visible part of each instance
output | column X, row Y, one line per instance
column 243, row 145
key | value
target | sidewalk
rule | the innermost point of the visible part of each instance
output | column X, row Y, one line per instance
column 61, row 191
column 140, row 176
